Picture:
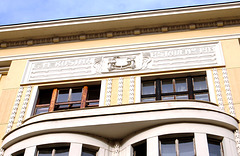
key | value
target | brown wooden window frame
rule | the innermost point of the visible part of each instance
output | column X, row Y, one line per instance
column 53, row 105
column 190, row 92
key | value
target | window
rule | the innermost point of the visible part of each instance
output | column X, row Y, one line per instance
column 67, row 98
column 140, row 149
column 183, row 146
column 19, row 153
column 215, row 147
column 88, row 152
column 191, row 87
column 48, row 150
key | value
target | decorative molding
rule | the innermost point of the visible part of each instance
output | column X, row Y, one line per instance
column 231, row 105
column 109, row 92
column 120, row 90
column 228, row 92
column 14, row 110
column 122, row 63
column 102, row 93
column 24, row 106
column 81, row 37
column 218, row 89
column 131, row 89
column 1, row 151
column 116, row 149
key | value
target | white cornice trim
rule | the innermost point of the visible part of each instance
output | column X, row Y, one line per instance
column 123, row 16
column 110, row 49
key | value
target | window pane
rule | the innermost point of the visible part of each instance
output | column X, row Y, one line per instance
column 148, row 87
column 181, row 97
column 167, row 86
column 41, row 110
column 45, row 96
column 45, row 152
column 186, row 147
column 88, row 152
column 92, row 103
column 202, row 96
column 76, row 94
column 141, row 149
column 214, row 148
column 93, row 92
column 168, row 97
column 61, row 151
column 200, row 83
column 63, row 95
column 168, row 148
column 149, row 99
column 181, row 85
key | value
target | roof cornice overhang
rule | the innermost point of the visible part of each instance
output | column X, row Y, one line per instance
column 126, row 21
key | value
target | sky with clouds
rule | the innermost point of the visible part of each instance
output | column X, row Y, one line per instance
column 24, row 11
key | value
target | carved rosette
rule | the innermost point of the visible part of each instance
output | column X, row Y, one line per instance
column 24, row 106
column 120, row 90
column 109, row 92
column 116, row 149
column 14, row 110
column 218, row 89
column 131, row 89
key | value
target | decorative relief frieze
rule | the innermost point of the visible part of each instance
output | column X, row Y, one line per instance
column 142, row 60
column 218, row 89
column 109, row 92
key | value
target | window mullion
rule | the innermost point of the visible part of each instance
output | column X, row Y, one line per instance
column 84, row 96
column 53, row 152
column 190, row 88
column 53, row 100
column 158, row 90
column 177, row 147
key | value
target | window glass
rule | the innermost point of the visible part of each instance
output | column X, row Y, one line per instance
column 140, row 149
column 41, row 110
column 150, row 99
column 199, row 83
column 93, row 92
column 168, row 97
column 88, row 152
column 168, row 148
column 202, row 96
column 214, row 147
column 186, row 147
column 148, row 88
column 181, row 97
column 45, row 152
column 45, row 96
column 76, row 94
column 181, row 85
column 63, row 95
column 61, row 151
column 167, row 86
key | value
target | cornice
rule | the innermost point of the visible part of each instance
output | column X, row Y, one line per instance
column 120, row 33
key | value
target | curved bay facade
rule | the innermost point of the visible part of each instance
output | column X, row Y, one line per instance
column 136, row 84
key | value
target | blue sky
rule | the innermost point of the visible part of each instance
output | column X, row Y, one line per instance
column 24, row 11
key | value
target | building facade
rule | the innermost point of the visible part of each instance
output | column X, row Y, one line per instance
column 155, row 83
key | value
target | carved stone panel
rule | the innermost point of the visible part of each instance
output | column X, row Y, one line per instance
column 124, row 62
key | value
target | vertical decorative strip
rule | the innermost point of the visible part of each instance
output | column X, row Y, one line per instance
column 109, row 92
column 218, row 89
column 230, row 104
column 228, row 92
column 14, row 110
column 1, row 151
column 120, row 91
column 24, row 106
column 131, row 89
